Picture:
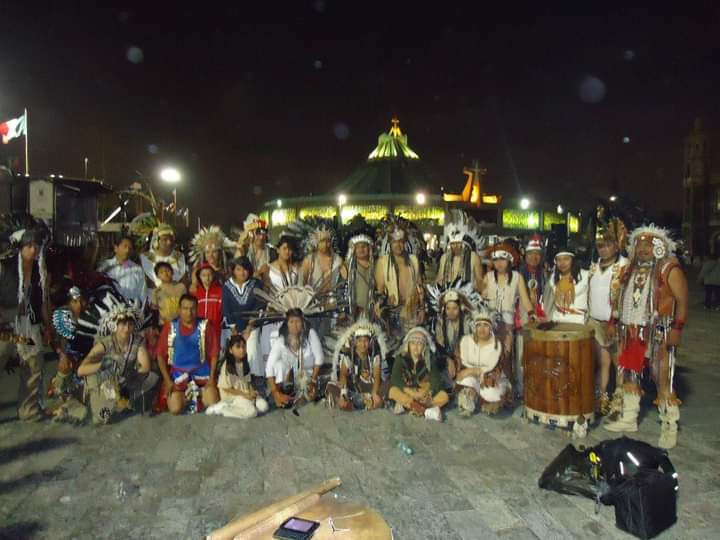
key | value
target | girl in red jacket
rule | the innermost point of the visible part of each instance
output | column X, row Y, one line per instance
column 209, row 295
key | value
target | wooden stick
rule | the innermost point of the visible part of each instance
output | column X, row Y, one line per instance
column 266, row 527
column 234, row 528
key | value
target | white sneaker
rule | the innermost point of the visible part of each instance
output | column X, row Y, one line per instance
column 433, row 413
column 398, row 409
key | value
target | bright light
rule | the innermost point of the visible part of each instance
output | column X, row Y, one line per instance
column 613, row 198
column 490, row 199
column 279, row 203
column 524, row 203
column 170, row 175
column 420, row 198
column 342, row 199
column 560, row 209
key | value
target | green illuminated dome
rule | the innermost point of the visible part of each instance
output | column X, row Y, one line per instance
column 392, row 168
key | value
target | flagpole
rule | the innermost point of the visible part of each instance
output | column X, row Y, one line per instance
column 27, row 155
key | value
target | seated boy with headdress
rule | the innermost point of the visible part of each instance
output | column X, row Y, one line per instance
column 358, row 357
column 416, row 383
column 480, row 376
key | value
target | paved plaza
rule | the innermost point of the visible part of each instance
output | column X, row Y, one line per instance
column 165, row 477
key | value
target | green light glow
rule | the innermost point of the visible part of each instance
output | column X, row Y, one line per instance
column 326, row 212
column 552, row 218
column 416, row 213
column 283, row 216
column 520, row 219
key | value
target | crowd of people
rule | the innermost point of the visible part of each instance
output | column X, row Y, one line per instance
column 359, row 318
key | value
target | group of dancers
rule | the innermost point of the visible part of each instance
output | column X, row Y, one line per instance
column 359, row 316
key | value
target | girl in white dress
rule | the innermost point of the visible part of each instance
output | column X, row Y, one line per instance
column 238, row 399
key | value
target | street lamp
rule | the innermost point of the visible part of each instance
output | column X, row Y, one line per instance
column 560, row 209
column 342, row 199
column 524, row 203
column 279, row 203
column 420, row 198
column 613, row 198
column 170, row 175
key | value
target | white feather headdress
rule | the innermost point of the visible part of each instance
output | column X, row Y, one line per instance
column 363, row 327
column 658, row 233
column 465, row 295
column 460, row 227
column 207, row 237
column 101, row 318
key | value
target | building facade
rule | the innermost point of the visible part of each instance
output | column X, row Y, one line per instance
column 701, row 189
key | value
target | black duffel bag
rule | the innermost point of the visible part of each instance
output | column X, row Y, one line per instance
column 645, row 503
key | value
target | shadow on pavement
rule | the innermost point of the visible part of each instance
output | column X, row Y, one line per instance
column 20, row 531
column 33, row 447
column 32, row 478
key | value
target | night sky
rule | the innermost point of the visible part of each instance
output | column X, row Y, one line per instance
column 289, row 98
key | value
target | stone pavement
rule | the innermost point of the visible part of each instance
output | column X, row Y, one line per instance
column 165, row 477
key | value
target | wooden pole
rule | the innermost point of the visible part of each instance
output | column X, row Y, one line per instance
column 264, row 516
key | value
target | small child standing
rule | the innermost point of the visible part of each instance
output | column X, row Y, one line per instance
column 209, row 294
column 238, row 399
column 166, row 296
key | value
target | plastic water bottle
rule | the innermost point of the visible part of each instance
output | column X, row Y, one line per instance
column 405, row 449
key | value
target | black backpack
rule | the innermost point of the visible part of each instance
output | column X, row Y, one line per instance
column 634, row 476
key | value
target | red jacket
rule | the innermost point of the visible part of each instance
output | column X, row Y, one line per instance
column 210, row 303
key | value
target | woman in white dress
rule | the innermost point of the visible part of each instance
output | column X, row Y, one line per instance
column 503, row 288
column 480, row 375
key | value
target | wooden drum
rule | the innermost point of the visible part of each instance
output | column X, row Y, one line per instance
column 559, row 374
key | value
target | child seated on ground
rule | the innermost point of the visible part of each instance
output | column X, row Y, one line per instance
column 166, row 296
column 238, row 399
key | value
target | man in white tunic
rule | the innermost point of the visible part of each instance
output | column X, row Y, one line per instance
column 604, row 289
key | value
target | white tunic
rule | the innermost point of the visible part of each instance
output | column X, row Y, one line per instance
column 502, row 298
column 600, row 284
column 281, row 359
column 484, row 357
column 129, row 277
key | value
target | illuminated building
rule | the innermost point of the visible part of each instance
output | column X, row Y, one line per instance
column 394, row 180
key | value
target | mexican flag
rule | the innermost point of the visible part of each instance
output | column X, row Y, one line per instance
column 12, row 129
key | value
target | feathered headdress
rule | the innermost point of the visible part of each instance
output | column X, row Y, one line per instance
column 358, row 230
column 663, row 244
column 206, row 238
column 419, row 333
column 310, row 300
column 142, row 227
column 251, row 225
column 483, row 313
column 310, row 230
column 609, row 226
column 106, row 308
column 394, row 227
column 465, row 295
column 459, row 227
column 342, row 340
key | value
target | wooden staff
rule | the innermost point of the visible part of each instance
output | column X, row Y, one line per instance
column 272, row 516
